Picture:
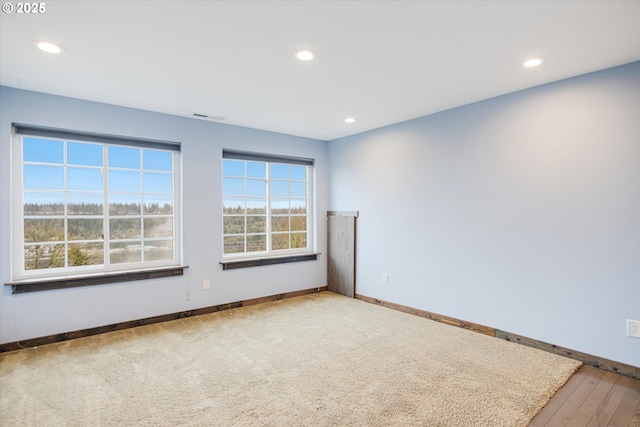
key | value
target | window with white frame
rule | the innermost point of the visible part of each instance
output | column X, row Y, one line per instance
column 266, row 205
column 87, row 203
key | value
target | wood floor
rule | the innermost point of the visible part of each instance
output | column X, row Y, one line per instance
column 593, row 397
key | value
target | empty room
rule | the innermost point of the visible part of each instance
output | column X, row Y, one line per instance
column 320, row 213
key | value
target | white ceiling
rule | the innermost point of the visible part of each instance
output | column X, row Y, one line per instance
column 381, row 62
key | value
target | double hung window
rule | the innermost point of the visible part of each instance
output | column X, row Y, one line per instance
column 86, row 203
column 266, row 205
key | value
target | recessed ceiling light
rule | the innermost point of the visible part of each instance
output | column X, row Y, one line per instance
column 533, row 62
column 49, row 47
column 349, row 120
column 305, row 54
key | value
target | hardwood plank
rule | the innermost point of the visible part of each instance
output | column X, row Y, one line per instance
column 627, row 408
column 561, row 396
column 565, row 413
column 608, row 407
column 635, row 420
column 614, row 400
column 589, row 407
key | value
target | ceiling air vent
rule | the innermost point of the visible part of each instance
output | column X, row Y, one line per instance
column 207, row 117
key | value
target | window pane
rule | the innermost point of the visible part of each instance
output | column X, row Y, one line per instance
column 122, row 252
column 157, row 160
column 48, row 203
column 123, row 181
column 85, row 228
column 125, row 228
column 158, row 205
column 298, row 189
column 43, row 150
column 233, row 225
column 260, row 197
column 257, row 243
column 43, row 177
column 43, row 230
column 280, row 223
column 280, row 206
column 256, row 187
column 298, row 172
column 233, row 244
column 233, row 206
column 64, row 186
column 257, row 206
column 84, row 204
column 279, row 171
column 280, row 188
column 279, row 241
column 158, row 250
column 256, row 224
column 298, row 240
column 233, row 187
column 256, row 169
column 157, row 183
column 233, row 168
column 84, row 154
column 298, row 206
column 124, row 204
column 84, row 179
column 37, row 257
column 86, row 254
column 158, row 227
column 123, row 157
column 298, row 223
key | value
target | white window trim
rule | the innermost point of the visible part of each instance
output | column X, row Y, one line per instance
column 311, row 217
column 19, row 273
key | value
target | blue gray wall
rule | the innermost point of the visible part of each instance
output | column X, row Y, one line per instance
column 521, row 212
column 39, row 314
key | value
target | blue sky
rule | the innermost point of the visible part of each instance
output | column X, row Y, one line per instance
column 285, row 192
column 131, row 171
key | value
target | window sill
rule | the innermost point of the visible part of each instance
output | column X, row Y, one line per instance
column 46, row 284
column 257, row 262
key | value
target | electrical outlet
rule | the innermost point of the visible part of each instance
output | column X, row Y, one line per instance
column 385, row 279
column 633, row 328
column 206, row 284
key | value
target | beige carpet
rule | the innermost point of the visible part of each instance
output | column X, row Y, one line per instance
column 317, row 360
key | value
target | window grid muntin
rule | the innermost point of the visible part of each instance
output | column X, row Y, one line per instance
column 144, row 242
column 289, row 215
column 170, row 242
column 269, row 214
